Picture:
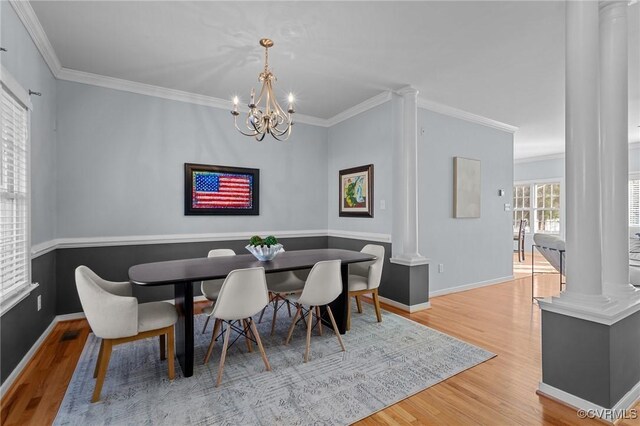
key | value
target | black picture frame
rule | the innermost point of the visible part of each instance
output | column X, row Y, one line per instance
column 362, row 211
column 190, row 204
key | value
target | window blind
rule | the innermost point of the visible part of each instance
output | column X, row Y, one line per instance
column 634, row 202
column 14, row 221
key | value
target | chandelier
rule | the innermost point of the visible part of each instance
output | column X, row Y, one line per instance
column 267, row 118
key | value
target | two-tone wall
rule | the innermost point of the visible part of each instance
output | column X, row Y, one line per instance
column 23, row 324
column 107, row 181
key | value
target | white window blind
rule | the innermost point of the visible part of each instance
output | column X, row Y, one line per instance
column 634, row 202
column 14, row 197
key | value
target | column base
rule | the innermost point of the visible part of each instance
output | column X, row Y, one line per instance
column 409, row 259
column 586, row 302
column 621, row 292
column 589, row 365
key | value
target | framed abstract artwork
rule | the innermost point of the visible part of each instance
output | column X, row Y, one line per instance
column 356, row 192
column 219, row 190
column 466, row 188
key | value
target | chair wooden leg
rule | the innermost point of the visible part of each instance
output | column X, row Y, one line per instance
column 170, row 352
column 293, row 324
column 102, row 370
column 247, row 337
column 163, row 347
column 206, row 322
column 275, row 313
column 376, row 302
column 349, row 314
column 358, row 304
column 216, row 327
column 309, row 325
column 319, row 320
column 254, row 330
column 335, row 327
column 227, row 333
column 95, row 371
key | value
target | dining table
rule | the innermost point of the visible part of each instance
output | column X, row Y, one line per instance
column 184, row 273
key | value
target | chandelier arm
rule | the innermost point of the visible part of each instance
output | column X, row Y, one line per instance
column 253, row 132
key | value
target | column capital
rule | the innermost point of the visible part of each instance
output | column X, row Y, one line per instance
column 613, row 8
column 407, row 91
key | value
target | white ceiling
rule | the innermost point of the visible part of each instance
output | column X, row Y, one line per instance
column 501, row 60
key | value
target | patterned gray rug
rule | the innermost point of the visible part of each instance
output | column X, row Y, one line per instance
column 384, row 363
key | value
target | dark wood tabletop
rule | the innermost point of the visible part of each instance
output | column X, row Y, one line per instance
column 189, row 270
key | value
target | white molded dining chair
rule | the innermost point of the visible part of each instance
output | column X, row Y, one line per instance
column 364, row 278
column 243, row 294
column 323, row 286
column 211, row 288
column 280, row 285
column 116, row 317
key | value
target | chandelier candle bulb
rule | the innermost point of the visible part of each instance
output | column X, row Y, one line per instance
column 235, row 105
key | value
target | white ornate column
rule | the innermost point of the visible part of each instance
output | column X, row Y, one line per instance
column 406, row 190
column 614, row 106
column 582, row 160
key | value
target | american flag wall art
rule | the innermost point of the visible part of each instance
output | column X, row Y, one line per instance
column 220, row 190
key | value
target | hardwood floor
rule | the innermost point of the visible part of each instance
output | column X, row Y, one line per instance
column 501, row 391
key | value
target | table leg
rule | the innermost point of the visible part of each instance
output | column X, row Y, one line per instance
column 341, row 304
column 184, row 327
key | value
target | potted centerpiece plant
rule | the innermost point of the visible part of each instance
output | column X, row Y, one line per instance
column 264, row 249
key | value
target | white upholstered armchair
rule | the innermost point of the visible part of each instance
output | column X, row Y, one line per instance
column 116, row 317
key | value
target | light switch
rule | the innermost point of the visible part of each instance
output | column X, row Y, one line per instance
column 383, row 204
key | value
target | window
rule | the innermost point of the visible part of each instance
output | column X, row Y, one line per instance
column 521, row 207
column 634, row 202
column 14, row 199
column 539, row 205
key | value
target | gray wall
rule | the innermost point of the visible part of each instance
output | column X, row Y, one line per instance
column 120, row 166
column 595, row 362
column 113, row 263
column 25, row 64
column 364, row 139
column 471, row 250
column 21, row 326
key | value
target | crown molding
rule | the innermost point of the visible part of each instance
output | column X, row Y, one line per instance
column 464, row 115
column 558, row 155
column 32, row 24
column 83, row 77
column 359, row 108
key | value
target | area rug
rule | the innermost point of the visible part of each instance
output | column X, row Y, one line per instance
column 384, row 363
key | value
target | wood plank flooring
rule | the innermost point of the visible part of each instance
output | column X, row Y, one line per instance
column 501, row 391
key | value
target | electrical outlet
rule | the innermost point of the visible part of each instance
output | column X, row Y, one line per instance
column 440, row 267
column 507, row 207
column 39, row 302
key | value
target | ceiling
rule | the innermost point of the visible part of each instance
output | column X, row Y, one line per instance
column 500, row 60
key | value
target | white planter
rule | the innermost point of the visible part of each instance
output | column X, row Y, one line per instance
column 264, row 253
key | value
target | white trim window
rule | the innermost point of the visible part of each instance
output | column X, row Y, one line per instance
column 634, row 201
column 539, row 204
column 15, row 259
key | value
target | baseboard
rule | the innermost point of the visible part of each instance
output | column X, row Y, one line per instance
column 610, row 416
column 471, row 286
column 25, row 359
column 407, row 308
